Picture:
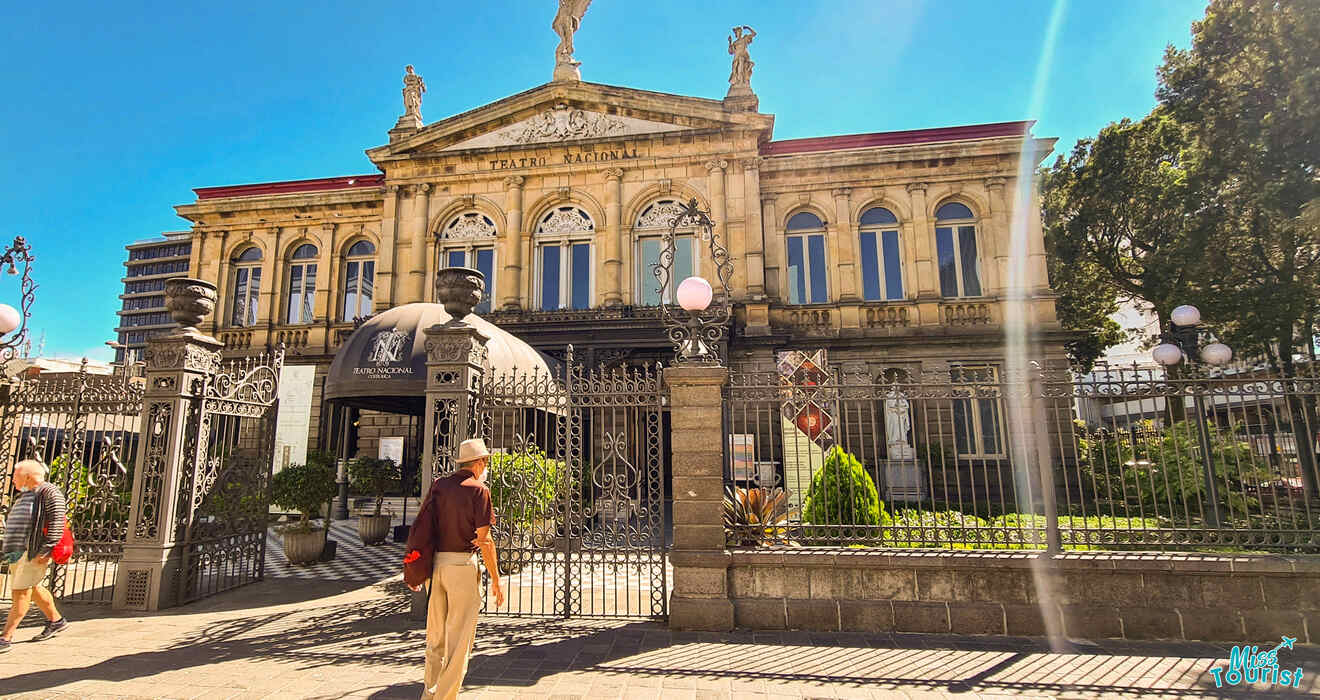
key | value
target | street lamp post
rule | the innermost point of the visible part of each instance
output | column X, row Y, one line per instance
column 13, row 322
column 698, row 338
column 1182, row 343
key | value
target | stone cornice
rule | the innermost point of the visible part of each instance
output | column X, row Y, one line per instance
column 300, row 201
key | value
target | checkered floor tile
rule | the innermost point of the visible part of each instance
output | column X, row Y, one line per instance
column 353, row 560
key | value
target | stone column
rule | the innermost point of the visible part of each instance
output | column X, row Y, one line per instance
column 270, row 285
column 510, row 295
column 178, row 365
column 995, row 239
column 846, row 245
column 421, row 218
column 774, row 247
column 755, row 236
column 614, row 228
column 719, row 214
column 455, row 366
column 384, row 283
column 927, row 282
column 700, row 599
column 327, row 277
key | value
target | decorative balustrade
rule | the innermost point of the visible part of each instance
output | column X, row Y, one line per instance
column 292, row 337
column 811, row 319
column 236, row 340
column 966, row 314
column 888, row 317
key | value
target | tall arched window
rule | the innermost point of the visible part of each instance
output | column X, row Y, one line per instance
column 651, row 226
column 882, row 269
column 469, row 241
column 247, row 287
column 807, row 281
column 955, row 244
column 359, row 280
column 302, row 284
column 563, row 259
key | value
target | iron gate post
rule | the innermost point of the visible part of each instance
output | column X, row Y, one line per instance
column 700, row 599
column 178, row 366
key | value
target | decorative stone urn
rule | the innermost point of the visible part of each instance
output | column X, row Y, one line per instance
column 303, row 546
column 459, row 289
column 189, row 301
column 372, row 529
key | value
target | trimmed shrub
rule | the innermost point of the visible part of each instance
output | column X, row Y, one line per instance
column 842, row 493
column 374, row 477
column 304, row 488
column 524, row 486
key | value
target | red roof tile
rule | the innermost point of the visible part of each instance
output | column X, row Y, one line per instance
column 291, row 186
column 897, row 138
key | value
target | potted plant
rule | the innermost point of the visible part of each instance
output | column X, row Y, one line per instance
column 374, row 477
column 304, row 488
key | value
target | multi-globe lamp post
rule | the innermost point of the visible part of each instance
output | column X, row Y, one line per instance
column 1182, row 343
column 13, row 321
column 698, row 339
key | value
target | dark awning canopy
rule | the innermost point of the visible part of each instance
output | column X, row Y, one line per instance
column 382, row 366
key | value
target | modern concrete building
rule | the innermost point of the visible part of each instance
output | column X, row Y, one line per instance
column 143, row 315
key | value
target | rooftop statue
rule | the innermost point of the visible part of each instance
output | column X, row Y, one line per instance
column 566, row 23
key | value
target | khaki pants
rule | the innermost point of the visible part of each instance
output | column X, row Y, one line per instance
column 451, row 623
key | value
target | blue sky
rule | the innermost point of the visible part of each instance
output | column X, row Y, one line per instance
column 113, row 111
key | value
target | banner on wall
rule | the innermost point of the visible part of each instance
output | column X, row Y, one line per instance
column 808, row 423
column 295, row 414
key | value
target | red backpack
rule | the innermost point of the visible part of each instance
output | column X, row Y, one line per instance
column 63, row 550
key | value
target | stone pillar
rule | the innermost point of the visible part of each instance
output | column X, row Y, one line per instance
column 421, row 218
column 718, row 214
column 755, row 236
column 927, row 282
column 995, row 239
column 510, row 243
column 613, row 233
column 774, row 248
column 384, row 283
column 269, row 299
column 849, row 276
column 327, row 278
column 700, row 598
column 178, row 365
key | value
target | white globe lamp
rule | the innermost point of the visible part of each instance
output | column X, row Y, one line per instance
column 695, row 294
column 1186, row 315
column 8, row 319
column 1167, row 354
column 1216, row 354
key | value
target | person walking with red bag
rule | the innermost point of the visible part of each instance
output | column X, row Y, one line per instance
column 452, row 525
column 36, row 523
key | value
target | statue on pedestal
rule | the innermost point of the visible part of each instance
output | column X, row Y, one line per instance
column 897, row 423
column 566, row 23
column 740, row 77
column 413, row 87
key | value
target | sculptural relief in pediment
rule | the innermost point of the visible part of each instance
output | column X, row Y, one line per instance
column 563, row 123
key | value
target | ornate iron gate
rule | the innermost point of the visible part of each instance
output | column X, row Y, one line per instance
column 578, row 484
column 224, row 495
column 84, row 427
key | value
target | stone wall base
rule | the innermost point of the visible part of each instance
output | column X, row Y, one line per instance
column 1223, row 598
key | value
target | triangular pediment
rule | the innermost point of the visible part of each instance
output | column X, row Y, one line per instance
column 558, row 113
column 562, row 123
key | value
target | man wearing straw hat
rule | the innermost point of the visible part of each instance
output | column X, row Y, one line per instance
column 452, row 525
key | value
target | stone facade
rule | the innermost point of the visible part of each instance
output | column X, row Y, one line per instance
column 588, row 169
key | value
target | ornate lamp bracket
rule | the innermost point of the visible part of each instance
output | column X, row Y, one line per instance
column 18, row 253
column 698, row 336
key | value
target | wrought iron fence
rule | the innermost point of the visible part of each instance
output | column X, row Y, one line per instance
column 969, row 459
column 84, row 428
column 577, row 481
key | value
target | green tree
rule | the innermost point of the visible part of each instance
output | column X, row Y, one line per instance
column 304, row 488
column 842, row 493
column 375, row 477
column 1248, row 91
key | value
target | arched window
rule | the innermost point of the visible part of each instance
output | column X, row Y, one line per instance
column 955, row 244
column 469, row 241
column 564, row 267
column 359, row 280
column 806, row 259
column 882, row 269
column 247, row 287
column 649, row 230
column 302, row 284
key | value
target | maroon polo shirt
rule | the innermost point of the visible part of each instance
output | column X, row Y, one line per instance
column 460, row 504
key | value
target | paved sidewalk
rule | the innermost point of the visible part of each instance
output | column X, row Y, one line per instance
column 318, row 639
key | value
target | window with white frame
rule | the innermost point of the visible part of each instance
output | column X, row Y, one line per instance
column 978, row 430
column 955, row 246
column 247, row 287
column 469, row 241
column 649, row 230
column 564, row 269
column 359, row 280
column 882, row 268
column 302, row 284
column 807, row 281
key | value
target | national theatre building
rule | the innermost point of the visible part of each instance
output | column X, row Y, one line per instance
column 885, row 249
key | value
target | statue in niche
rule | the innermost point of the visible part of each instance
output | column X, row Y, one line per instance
column 566, row 23
column 897, row 423
column 413, row 87
column 740, row 77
